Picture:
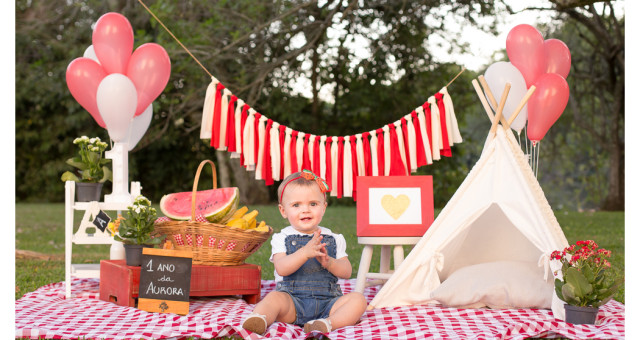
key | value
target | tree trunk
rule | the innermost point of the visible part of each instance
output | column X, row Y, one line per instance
column 251, row 190
column 615, row 195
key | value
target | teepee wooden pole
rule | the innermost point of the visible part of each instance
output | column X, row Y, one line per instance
column 483, row 100
column 520, row 106
column 487, row 90
column 503, row 100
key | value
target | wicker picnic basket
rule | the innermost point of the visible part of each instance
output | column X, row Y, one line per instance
column 212, row 244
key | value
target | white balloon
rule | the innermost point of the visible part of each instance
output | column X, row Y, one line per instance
column 497, row 75
column 91, row 54
column 139, row 127
column 117, row 100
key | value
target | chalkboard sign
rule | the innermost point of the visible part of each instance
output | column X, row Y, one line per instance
column 165, row 281
column 102, row 220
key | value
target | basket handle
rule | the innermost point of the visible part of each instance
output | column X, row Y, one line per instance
column 195, row 185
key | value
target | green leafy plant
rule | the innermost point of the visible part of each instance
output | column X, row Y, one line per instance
column 137, row 227
column 90, row 163
column 585, row 278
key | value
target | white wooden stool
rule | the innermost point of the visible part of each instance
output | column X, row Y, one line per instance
column 385, row 258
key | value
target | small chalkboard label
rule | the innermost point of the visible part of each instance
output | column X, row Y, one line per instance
column 165, row 281
column 102, row 220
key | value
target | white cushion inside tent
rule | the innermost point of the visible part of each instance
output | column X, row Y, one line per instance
column 490, row 237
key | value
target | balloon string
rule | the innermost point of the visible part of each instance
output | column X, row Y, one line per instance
column 174, row 37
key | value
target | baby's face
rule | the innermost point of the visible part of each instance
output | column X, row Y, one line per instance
column 303, row 206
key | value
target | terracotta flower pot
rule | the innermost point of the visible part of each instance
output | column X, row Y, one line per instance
column 580, row 315
column 87, row 192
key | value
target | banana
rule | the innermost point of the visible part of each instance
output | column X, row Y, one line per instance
column 262, row 227
column 250, row 216
column 239, row 213
column 238, row 223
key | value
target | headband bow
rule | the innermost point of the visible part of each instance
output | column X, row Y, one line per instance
column 308, row 175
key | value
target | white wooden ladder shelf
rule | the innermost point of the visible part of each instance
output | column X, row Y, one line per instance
column 87, row 232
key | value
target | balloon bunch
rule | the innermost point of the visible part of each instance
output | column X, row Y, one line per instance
column 533, row 61
column 117, row 86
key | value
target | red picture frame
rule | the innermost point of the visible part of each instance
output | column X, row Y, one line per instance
column 413, row 220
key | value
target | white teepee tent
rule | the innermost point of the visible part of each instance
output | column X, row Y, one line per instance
column 499, row 213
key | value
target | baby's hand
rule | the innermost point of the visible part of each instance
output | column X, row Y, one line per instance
column 314, row 248
column 324, row 258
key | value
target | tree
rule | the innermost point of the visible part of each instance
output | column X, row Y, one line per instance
column 257, row 49
column 594, row 33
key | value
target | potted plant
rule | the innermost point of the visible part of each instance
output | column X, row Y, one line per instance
column 92, row 170
column 136, row 230
column 585, row 281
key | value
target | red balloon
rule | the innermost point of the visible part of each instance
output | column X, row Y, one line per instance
column 546, row 104
column 83, row 78
column 525, row 48
column 113, row 42
column 558, row 57
column 149, row 70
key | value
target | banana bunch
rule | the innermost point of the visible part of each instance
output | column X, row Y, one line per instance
column 244, row 220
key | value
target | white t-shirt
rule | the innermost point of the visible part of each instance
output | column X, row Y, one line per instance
column 278, row 246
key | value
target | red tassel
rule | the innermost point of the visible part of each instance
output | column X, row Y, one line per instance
column 397, row 168
column 421, row 158
column 256, row 139
column 380, row 134
column 243, row 121
column 327, row 149
column 281, row 129
column 354, row 165
column 267, row 174
column 340, row 166
column 366, row 146
column 446, row 148
column 405, row 139
column 316, row 155
column 294, row 157
column 231, row 124
column 215, row 125
column 306, row 162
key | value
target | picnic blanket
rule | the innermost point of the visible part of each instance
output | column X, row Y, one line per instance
column 45, row 313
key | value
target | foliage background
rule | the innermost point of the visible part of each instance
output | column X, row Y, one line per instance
column 257, row 48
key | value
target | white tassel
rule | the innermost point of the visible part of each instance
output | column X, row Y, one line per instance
column 238, row 128
column 425, row 136
column 360, row 155
column 287, row 152
column 299, row 150
column 347, row 172
column 436, row 138
column 334, row 166
column 248, row 145
column 403, row 153
column 323, row 157
column 312, row 139
column 274, row 147
column 411, row 139
column 224, row 113
column 260, row 151
column 374, row 153
column 387, row 152
column 452, row 122
column 207, row 110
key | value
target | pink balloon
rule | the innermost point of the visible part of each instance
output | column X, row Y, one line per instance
column 558, row 57
column 113, row 42
column 149, row 69
column 546, row 104
column 525, row 48
column 83, row 78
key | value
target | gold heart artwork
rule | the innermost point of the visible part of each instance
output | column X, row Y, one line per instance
column 395, row 206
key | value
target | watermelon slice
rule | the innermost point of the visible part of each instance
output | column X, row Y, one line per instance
column 214, row 204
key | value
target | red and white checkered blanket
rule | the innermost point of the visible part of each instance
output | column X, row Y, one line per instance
column 46, row 313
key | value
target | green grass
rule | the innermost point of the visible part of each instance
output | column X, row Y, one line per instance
column 40, row 227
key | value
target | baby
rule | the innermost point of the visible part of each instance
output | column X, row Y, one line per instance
column 308, row 261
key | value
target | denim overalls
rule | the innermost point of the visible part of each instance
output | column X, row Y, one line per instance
column 312, row 288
